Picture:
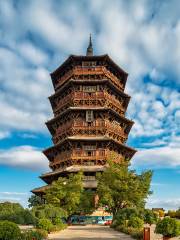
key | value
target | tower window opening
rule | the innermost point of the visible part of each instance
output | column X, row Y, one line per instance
column 89, row 116
column 89, row 64
column 89, row 153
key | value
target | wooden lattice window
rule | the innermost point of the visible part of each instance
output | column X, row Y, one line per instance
column 89, row 88
column 89, row 116
column 89, row 147
column 89, row 64
column 101, row 152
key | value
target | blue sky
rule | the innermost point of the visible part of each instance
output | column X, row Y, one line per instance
column 143, row 37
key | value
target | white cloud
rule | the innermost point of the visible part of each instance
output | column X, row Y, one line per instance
column 24, row 95
column 4, row 134
column 10, row 199
column 177, row 116
column 32, row 53
column 161, row 157
column 28, row 135
column 16, row 197
column 13, row 193
column 155, row 143
column 25, row 157
column 175, row 141
column 153, row 108
column 167, row 204
column 146, row 43
column 60, row 30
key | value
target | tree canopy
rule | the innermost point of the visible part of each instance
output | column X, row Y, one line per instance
column 119, row 187
column 34, row 201
column 16, row 213
column 69, row 195
column 66, row 193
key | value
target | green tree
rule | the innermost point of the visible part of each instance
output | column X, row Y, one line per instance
column 135, row 222
column 124, row 214
column 14, row 212
column 48, row 211
column 45, row 224
column 9, row 231
column 65, row 193
column 178, row 213
column 34, row 201
column 119, row 187
column 172, row 213
column 150, row 217
column 168, row 227
column 8, row 207
column 87, row 203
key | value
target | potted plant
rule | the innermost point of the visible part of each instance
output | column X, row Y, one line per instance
column 168, row 227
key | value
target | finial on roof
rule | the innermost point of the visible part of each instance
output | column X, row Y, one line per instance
column 89, row 51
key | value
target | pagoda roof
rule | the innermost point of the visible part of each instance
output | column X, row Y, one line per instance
column 49, row 122
column 50, row 176
column 79, row 81
column 40, row 189
column 73, row 58
column 103, row 138
column 73, row 169
column 88, row 108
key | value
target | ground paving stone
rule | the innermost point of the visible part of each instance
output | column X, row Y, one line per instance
column 89, row 232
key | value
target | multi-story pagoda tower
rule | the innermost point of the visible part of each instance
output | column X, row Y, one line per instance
column 89, row 122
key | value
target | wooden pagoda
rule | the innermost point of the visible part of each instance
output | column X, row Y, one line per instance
column 89, row 123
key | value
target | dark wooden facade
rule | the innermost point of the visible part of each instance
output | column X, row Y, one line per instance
column 89, row 123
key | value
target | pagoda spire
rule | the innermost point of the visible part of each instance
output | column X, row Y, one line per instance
column 89, row 51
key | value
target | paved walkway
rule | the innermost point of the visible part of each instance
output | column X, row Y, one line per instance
column 89, row 232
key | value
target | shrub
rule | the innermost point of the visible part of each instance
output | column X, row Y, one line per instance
column 58, row 224
column 38, row 234
column 172, row 214
column 48, row 211
column 58, row 227
column 127, row 213
column 29, row 218
column 45, row 224
column 14, row 212
column 161, row 213
column 135, row 233
column 114, row 224
column 168, row 227
column 57, row 221
column 150, row 217
column 9, row 231
column 124, row 215
column 135, row 222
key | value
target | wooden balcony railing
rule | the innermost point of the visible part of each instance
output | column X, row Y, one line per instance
column 88, row 96
column 114, row 101
column 62, row 129
column 67, row 99
column 116, row 129
column 75, row 96
column 61, row 157
column 75, row 156
column 99, row 70
column 104, row 128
